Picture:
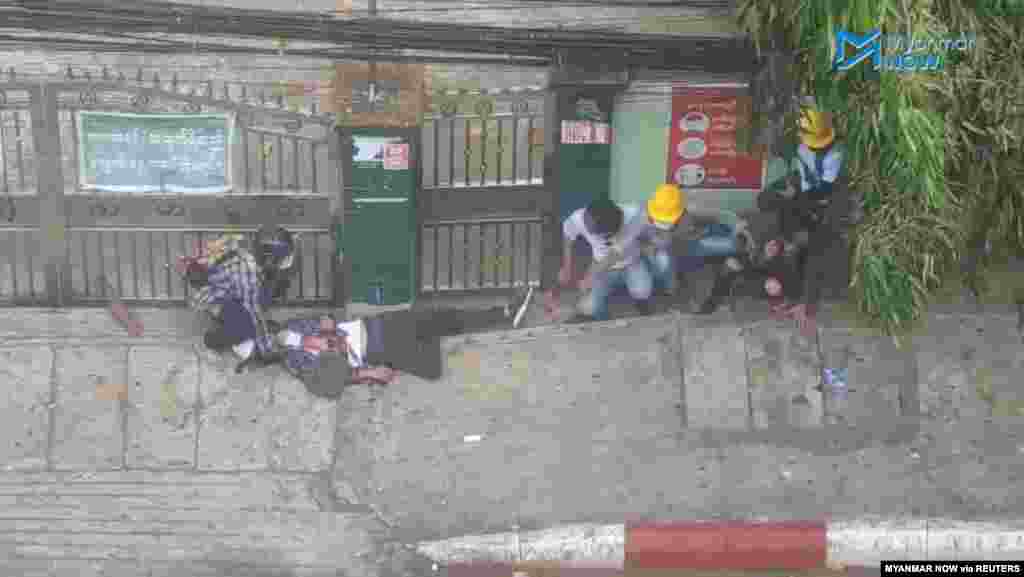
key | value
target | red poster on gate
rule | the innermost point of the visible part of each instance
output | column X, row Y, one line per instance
column 702, row 140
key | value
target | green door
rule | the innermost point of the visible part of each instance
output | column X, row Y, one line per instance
column 379, row 234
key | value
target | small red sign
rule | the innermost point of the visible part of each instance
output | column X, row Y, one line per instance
column 396, row 156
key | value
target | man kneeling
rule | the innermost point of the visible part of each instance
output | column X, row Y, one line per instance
column 326, row 355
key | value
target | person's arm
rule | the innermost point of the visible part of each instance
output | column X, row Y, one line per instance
column 373, row 375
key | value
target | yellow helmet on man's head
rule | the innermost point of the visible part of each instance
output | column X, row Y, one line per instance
column 816, row 130
column 667, row 205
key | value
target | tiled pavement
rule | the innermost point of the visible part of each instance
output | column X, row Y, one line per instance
column 197, row 470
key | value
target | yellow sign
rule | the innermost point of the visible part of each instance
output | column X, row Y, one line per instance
column 169, row 401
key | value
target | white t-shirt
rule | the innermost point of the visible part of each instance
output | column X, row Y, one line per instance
column 575, row 226
column 356, row 340
column 356, row 332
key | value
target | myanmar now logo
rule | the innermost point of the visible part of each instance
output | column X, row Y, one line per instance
column 910, row 54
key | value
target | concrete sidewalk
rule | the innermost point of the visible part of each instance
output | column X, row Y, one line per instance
column 682, row 418
column 189, row 469
column 668, row 417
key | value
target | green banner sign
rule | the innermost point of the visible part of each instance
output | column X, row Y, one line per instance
column 173, row 153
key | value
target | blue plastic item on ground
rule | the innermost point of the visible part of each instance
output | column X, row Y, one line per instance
column 837, row 383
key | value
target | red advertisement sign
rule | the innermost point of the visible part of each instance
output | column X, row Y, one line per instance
column 702, row 140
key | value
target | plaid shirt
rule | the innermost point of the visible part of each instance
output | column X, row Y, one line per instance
column 298, row 359
column 238, row 278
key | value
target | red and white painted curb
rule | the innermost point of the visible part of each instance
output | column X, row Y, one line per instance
column 738, row 545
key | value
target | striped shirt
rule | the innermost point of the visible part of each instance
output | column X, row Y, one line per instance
column 236, row 277
column 299, row 360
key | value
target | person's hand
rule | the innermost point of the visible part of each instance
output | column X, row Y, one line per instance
column 381, row 375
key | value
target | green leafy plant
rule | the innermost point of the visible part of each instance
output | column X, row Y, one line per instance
column 911, row 140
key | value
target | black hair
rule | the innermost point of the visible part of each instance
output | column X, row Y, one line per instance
column 328, row 377
column 604, row 217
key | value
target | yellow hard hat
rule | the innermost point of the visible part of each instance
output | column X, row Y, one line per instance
column 815, row 128
column 667, row 205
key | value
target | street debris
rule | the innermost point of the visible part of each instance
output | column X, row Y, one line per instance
column 836, row 382
column 168, row 401
column 111, row 391
column 472, row 438
column 124, row 317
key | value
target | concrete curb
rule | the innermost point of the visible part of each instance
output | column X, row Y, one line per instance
column 742, row 545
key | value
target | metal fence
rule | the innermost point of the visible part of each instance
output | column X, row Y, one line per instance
column 482, row 150
column 280, row 174
column 137, row 263
column 493, row 163
column 481, row 254
column 283, row 171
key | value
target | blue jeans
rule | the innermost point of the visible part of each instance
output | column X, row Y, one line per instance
column 639, row 278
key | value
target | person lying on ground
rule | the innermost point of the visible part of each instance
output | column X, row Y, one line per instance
column 596, row 224
column 640, row 257
column 327, row 355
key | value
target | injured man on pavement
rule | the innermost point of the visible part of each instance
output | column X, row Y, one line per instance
column 327, row 355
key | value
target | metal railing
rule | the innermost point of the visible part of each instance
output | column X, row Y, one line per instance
column 137, row 263
column 21, row 269
column 285, row 162
column 17, row 161
column 481, row 254
column 464, row 150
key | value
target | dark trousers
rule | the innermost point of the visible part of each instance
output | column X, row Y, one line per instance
column 820, row 221
column 410, row 341
column 794, row 214
column 726, row 281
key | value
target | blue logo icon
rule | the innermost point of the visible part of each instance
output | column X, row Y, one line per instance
column 867, row 46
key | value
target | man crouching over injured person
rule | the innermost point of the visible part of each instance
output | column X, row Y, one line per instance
column 327, row 355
